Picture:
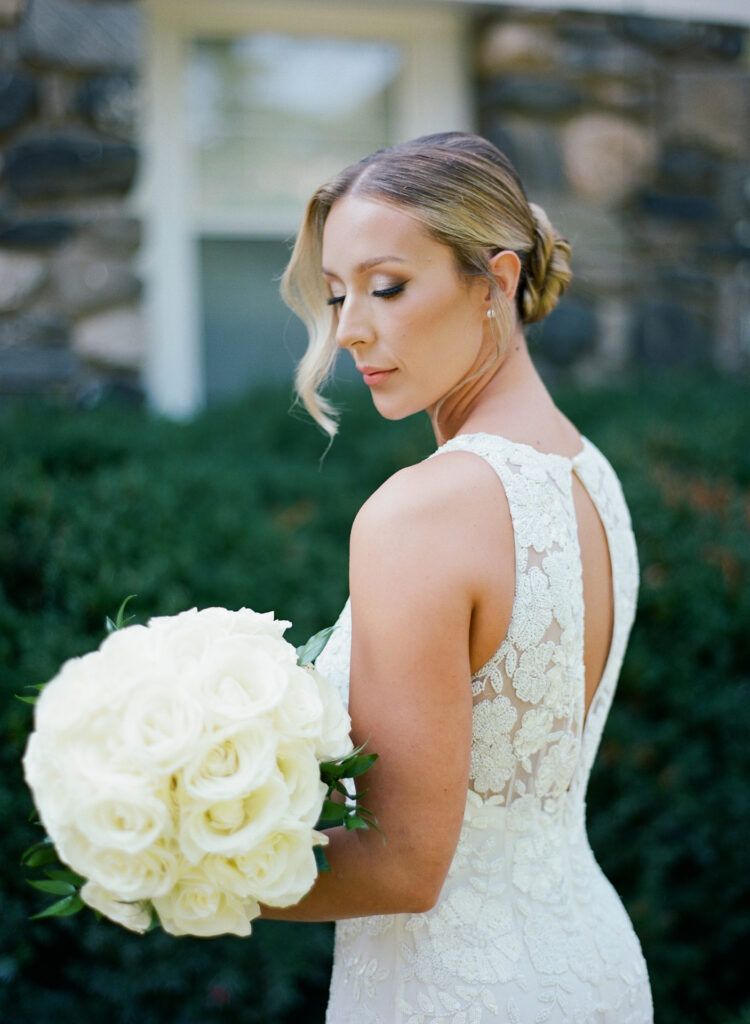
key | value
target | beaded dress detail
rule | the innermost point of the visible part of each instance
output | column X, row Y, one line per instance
column 527, row 929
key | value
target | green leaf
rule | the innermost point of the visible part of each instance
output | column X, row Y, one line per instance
column 309, row 651
column 355, row 766
column 25, row 700
column 353, row 821
column 155, row 922
column 63, row 908
column 333, row 811
column 64, row 875
column 56, row 888
column 320, row 858
column 40, row 853
column 330, row 772
column 120, row 621
column 372, row 821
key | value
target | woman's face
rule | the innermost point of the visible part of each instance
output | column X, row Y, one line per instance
column 413, row 325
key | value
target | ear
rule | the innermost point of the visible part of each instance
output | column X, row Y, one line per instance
column 506, row 269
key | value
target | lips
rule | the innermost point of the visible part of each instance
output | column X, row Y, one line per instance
column 372, row 375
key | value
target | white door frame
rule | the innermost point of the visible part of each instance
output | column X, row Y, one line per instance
column 433, row 94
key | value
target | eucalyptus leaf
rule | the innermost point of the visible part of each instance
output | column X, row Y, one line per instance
column 309, row 651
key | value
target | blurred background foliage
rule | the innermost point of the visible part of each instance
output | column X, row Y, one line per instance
column 238, row 508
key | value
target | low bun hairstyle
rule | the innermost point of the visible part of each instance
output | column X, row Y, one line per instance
column 547, row 270
column 468, row 196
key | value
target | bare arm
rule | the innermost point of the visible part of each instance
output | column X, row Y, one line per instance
column 412, row 580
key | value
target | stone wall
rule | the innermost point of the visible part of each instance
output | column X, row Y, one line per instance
column 70, row 320
column 634, row 134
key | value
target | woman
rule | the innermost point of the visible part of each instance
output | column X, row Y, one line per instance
column 463, row 645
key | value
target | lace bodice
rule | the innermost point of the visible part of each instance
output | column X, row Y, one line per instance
column 526, row 929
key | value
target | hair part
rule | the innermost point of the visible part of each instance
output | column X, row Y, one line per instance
column 469, row 197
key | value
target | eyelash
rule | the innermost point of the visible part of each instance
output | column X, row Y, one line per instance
column 381, row 293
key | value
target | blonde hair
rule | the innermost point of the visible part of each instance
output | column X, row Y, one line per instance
column 468, row 196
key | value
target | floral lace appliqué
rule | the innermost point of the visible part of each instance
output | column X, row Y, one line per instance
column 527, row 930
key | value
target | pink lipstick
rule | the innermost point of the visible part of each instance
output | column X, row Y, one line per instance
column 372, row 375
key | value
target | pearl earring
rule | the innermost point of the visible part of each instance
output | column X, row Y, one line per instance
column 490, row 313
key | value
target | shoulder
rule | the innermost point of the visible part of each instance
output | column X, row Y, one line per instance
column 437, row 517
column 440, row 491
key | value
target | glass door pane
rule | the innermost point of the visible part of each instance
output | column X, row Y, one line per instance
column 270, row 117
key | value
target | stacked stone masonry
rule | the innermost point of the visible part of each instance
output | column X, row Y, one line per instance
column 632, row 132
column 70, row 296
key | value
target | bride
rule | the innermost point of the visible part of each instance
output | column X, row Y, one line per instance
column 492, row 587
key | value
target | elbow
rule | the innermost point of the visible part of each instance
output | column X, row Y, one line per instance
column 421, row 892
column 425, row 901
column 411, row 882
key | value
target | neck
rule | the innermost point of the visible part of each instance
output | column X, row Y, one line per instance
column 495, row 398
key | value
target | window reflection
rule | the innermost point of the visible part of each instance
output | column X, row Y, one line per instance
column 271, row 116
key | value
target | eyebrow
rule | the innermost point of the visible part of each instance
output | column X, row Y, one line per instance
column 367, row 264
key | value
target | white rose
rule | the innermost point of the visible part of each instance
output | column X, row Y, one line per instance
column 300, row 713
column 225, row 873
column 130, row 821
column 128, row 650
column 334, row 741
column 230, row 827
column 46, row 782
column 133, row 876
column 301, row 773
column 191, row 634
column 232, row 763
column 194, row 906
column 282, row 868
column 97, row 758
column 242, row 677
column 161, row 725
column 134, row 916
column 79, row 689
column 246, row 621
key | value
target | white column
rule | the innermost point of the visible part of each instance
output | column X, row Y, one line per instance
column 173, row 370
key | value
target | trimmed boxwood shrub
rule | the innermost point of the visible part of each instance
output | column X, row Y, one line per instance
column 239, row 508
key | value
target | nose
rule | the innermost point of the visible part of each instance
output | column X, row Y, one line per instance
column 353, row 325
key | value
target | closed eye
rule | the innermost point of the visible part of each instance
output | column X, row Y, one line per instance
column 387, row 293
column 381, row 293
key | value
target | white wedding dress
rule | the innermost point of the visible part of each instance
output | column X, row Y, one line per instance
column 527, row 929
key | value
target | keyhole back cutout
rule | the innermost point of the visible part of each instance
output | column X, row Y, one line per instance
column 598, row 592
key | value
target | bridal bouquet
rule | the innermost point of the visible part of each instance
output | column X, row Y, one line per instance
column 180, row 771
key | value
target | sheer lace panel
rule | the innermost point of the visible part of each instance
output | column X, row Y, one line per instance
column 529, row 697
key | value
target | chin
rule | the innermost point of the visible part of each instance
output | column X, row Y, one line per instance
column 391, row 410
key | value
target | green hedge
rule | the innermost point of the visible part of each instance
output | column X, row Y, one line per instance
column 237, row 508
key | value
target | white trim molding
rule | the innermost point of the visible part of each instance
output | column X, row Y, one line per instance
column 433, row 94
